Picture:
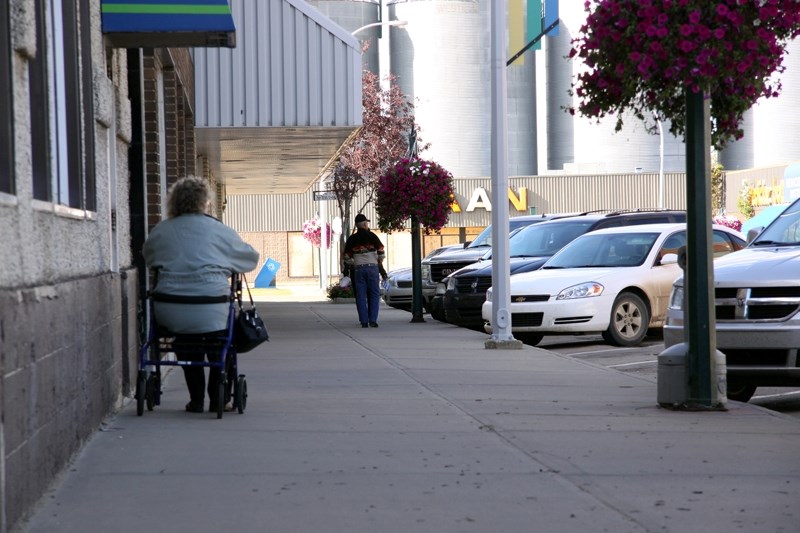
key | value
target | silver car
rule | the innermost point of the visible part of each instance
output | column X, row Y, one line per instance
column 398, row 290
column 757, row 309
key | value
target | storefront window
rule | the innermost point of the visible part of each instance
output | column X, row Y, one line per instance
column 62, row 123
column 6, row 106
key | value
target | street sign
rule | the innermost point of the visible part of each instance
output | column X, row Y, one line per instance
column 320, row 196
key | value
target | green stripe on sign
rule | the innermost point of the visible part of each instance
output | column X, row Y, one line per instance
column 170, row 9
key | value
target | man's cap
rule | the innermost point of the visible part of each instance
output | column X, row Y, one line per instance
column 361, row 218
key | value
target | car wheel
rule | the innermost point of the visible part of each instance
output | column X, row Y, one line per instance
column 531, row 339
column 740, row 392
column 629, row 321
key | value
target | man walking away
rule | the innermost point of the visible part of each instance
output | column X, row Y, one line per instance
column 364, row 254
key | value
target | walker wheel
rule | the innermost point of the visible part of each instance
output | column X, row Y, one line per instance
column 241, row 394
column 141, row 392
column 152, row 391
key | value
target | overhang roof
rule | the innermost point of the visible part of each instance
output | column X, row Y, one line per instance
column 167, row 23
column 272, row 114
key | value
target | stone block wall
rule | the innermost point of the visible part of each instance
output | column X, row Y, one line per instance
column 71, row 350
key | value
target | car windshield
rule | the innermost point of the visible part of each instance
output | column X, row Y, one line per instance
column 604, row 250
column 484, row 238
column 545, row 239
column 784, row 230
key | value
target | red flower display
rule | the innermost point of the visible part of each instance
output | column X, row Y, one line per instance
column 642, row 55
column 414, row 188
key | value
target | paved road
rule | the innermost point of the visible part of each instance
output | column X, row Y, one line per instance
column 643, row 361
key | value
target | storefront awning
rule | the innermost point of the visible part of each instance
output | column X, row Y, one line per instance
column 168, row 23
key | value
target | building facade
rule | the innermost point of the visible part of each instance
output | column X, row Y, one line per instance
column 100, row 119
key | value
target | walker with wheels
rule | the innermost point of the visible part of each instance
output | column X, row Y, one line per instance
column 217, row 348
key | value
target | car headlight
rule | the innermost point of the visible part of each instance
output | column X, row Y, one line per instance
column 451, row 283
column 489, row 294
column 426, row 272
column 676, row 298
column 441, row 288
column 584, row 290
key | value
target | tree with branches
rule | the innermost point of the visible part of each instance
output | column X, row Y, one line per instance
column 388, row 119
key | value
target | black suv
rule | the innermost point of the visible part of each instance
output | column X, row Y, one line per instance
column 529, row 249
column 435, row 269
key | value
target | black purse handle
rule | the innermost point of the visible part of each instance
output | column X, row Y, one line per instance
column 239, row 292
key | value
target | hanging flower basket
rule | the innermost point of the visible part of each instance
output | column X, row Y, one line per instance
column 414, row 188
column 312, row 232
column 643, row 55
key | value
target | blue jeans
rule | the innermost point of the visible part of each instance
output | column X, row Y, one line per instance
column 366, row 284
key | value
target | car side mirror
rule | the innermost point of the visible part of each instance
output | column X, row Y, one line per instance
column 752, row 233
column 669, row 259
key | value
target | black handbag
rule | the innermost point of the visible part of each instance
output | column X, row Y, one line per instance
column 249, row 330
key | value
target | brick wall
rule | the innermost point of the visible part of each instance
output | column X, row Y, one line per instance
column 177, row 74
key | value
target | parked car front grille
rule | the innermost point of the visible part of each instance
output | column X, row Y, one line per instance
column 469, row 285
column 404, row 284
column 442, row 270
column 520, row 298
column 526, row 320
column 763, row 303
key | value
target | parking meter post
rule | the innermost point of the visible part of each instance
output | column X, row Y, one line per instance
column 416, row 272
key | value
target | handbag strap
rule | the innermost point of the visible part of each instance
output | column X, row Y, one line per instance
column 249, row 295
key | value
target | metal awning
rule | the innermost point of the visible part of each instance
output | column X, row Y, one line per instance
column 272, row 114
column 168, row 23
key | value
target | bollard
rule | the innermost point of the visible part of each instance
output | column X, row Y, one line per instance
column 673, row 383
column 673, row 380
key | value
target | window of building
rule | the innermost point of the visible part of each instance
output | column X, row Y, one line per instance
column 303, row 257
column 62, row 121
column 6, row 106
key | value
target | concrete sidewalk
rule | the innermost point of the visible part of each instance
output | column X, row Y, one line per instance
column 417, row 427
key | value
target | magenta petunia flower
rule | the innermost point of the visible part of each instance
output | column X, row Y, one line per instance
column 642, row 55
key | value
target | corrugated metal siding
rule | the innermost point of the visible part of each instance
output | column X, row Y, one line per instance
column 765, row 179
column 352, row 15
column 288, row 69
column 547, row 194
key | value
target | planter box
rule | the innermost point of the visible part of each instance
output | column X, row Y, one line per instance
column 343, row 301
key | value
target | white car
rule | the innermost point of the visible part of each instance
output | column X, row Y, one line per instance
column 614, row 281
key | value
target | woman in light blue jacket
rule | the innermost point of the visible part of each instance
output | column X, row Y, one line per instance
column 195, row 254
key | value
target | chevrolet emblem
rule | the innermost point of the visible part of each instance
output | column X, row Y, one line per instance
column 519, row 299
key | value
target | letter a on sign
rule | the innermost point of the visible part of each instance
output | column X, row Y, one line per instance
column 479, row 199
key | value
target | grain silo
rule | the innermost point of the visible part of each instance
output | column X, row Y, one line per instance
column 771, row 125
column 442, row 60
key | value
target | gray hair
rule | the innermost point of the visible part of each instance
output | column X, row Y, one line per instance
column 189, row 195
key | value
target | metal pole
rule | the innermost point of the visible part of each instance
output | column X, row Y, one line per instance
column 416, row 272
column 501, row 285
column 323, row 215
column 416, row 247
column 699, row 268
column 661, row 184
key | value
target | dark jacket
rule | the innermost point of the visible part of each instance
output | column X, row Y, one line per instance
column 363, row 248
